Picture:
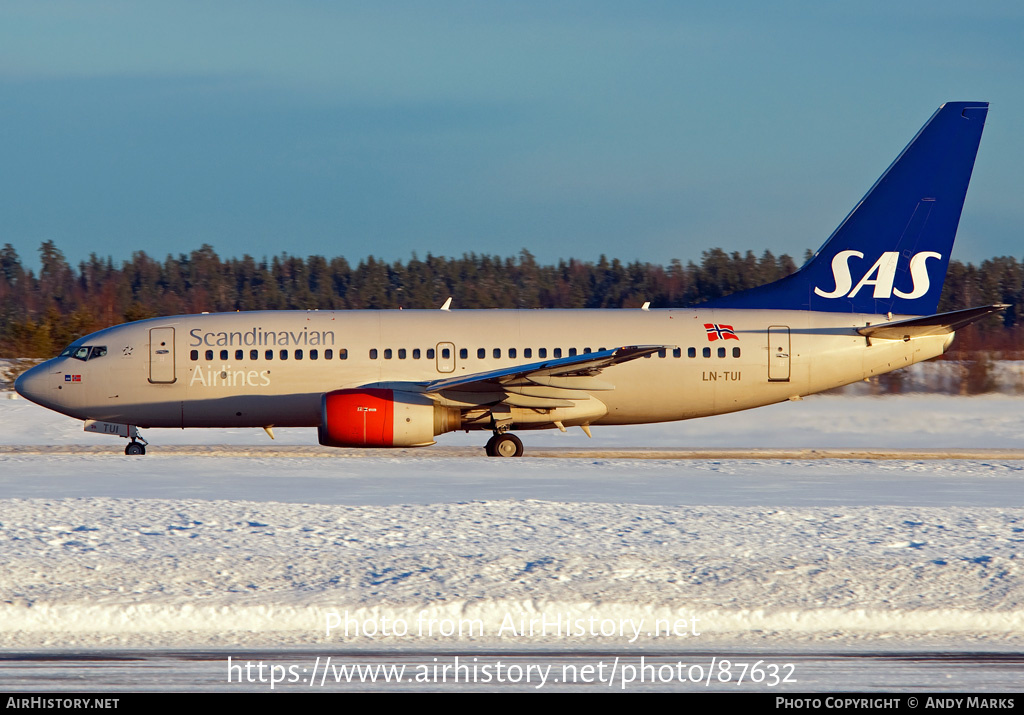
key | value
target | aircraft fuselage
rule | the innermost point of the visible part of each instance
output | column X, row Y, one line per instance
column 272, row 368
column 400, row 378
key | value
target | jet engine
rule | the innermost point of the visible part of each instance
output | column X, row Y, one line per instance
column 375, row 417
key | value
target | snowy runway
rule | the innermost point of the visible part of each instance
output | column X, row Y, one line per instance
column 170, row 551
column 264, row 552
column 425, row 480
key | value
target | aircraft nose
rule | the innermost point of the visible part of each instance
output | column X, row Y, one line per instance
column 36, row 384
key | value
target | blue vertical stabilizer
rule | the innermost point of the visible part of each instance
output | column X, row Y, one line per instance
column 890, row 254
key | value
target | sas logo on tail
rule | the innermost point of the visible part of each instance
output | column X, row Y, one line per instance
column 881, row 276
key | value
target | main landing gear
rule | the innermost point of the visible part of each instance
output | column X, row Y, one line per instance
column 504, row 444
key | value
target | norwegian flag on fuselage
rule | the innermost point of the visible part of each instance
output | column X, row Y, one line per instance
column 718, row 331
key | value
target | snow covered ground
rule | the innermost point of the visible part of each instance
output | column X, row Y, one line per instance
column 614, row 555
column 249, row 574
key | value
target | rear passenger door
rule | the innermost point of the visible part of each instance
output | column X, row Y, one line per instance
column 778, row 353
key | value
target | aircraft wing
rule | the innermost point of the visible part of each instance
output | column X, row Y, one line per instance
column 938, row 324
column 550, row 383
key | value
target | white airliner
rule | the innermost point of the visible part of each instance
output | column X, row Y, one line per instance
column 400, row 378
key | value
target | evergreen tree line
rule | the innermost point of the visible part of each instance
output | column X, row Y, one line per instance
column 40, row 314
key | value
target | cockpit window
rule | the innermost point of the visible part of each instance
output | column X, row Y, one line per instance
column 84, row 352
column 79, row 352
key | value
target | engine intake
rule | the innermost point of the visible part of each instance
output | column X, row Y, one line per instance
column 375, row 417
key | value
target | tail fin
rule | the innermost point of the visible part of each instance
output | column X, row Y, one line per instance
column 890, row 254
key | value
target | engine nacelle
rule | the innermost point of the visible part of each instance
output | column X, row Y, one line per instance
column 374, row 417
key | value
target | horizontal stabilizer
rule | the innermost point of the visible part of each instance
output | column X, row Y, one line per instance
column 938, row 324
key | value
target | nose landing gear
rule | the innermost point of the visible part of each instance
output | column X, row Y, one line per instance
column 135, row 448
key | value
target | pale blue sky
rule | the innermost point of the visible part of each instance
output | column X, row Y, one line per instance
column 645, row 130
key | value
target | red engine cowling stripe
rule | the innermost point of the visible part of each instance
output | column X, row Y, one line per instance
column 360, row 418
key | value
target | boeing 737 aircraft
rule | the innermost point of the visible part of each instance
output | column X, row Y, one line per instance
column 400, row 378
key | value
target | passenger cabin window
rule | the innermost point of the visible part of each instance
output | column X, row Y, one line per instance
column 314, row 354
column 677, row 352
column 463, row 353
column 542, row 352
column 254, row 354
column 446, row 353
column 373, row 353
column 343, row 354
column 430, row 353
column 283, row 354
column 511, row 352
column 691, row 352
column 209, row 355
column 558, row 352
column 481, row 353
column 223, row 354
column 329, row 354
column 721, row 352
column 269, row 354
column 527, row 353
column 497, row 353
column 707, row 352
column 415, row 353
column 239, row 354
column 194, row 355
column 298, row 354
column 735, row 352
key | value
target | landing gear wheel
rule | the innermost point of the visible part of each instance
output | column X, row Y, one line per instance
column 135, row 448
column 504, row 445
